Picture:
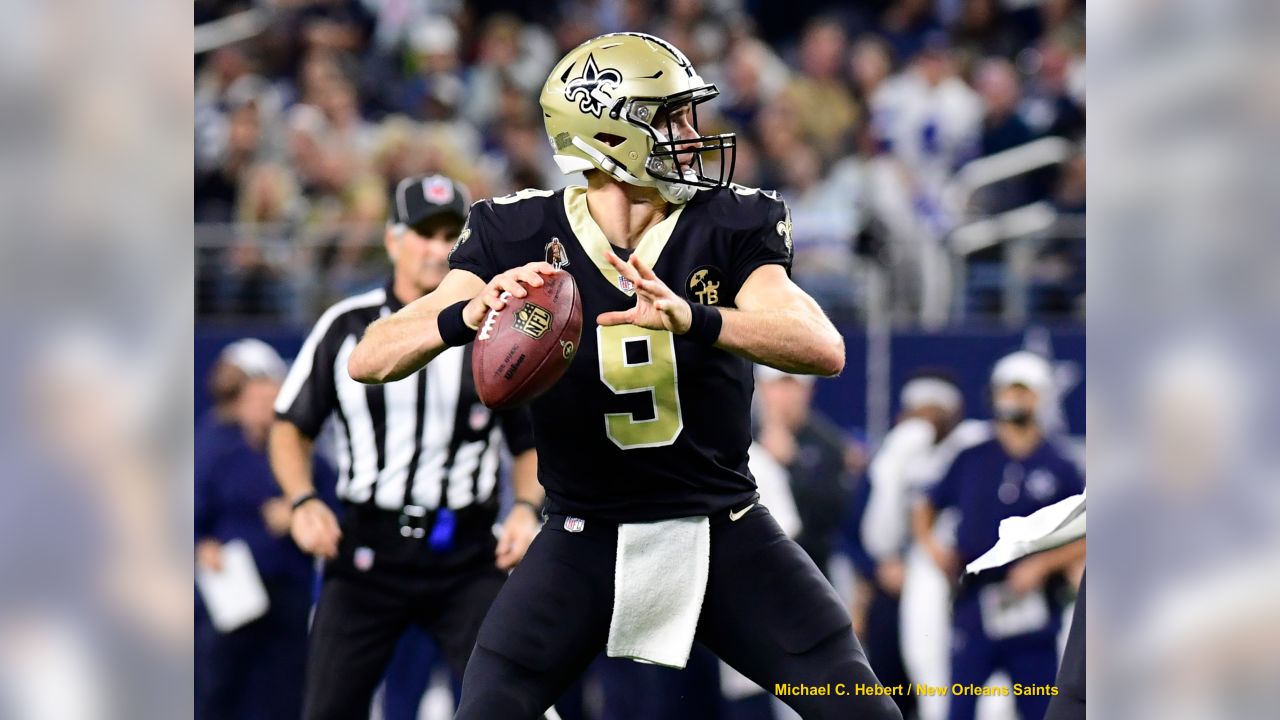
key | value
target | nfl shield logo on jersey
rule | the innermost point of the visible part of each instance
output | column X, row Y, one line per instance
column 573, row 524
column 626, row 285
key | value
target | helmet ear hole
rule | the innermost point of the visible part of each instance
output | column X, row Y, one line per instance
column 610, row 139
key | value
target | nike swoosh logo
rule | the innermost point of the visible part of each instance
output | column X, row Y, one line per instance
column 736, row 516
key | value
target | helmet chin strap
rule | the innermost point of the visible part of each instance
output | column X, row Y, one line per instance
column 673, row 192
column 676, row 192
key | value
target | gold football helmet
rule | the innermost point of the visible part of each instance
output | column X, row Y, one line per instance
column 608, row 104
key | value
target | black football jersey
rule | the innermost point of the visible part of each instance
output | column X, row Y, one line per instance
column 644, row 425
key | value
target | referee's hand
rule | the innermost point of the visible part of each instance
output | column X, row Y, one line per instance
column 517, row 534
column 315, row 529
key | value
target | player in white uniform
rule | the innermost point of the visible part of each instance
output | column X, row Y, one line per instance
column 913, row 455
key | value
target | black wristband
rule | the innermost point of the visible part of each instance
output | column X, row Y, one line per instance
column 705, row 325
column 303, row 499
column 535, row 507
column 453, row 328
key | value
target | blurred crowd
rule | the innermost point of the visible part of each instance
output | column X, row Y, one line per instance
column 861, row 114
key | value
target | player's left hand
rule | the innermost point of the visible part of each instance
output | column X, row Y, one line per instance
column 517, row 534
column 657, row 307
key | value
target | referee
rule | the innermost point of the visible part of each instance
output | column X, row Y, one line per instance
column 418, row 465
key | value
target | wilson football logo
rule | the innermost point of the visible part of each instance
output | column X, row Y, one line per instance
column 533, row 321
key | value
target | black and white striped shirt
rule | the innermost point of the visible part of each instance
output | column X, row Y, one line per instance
column 426, row 440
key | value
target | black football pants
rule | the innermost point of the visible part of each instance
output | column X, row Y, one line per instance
column 768, row 612
column 362, row 613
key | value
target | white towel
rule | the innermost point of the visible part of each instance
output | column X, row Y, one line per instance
column 659, row 580
column 1044, row 529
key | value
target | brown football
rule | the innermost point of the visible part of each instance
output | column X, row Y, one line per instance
column 523, row 349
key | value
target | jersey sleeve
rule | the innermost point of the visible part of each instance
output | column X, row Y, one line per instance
column 517, row 428
column 473, row 250
column 767, row 241
column 309, row 394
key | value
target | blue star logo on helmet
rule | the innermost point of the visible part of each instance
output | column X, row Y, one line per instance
column 593, row 90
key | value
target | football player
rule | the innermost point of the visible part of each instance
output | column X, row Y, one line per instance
column 687, row 278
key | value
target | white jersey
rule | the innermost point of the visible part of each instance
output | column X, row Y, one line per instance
column 930, row 129
column 908, row 463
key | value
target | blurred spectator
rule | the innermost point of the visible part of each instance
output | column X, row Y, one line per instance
column 237, row 115
column 825, row 109
column 509, row 54
column 397, row 18
column 983, row 29
column 875, row 606
column 824, row 219
column 928, row 122
column 815, row 453
column 1056, row 15
column 1007, row 618
column 747, row 165
column 870, row 64
column 520, row 160
column 1058, row 273
column 348, row 254
column 753, row 76
column 436, row 87
column 268, row 208
column 1003, row 128
column 778, row 128
column 997, row 82
column 341, row 25
column 908, row 600
column 254, row 671
column 1069, row 196
column 232, row 143
column 224, row 384
column 1055, row 103
column 906, row 24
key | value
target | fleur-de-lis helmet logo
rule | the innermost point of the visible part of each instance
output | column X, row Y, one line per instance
column 593, row 90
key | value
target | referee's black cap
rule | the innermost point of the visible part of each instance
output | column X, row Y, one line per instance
column 419, row 199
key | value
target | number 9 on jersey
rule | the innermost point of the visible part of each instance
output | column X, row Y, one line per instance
column 638, row 360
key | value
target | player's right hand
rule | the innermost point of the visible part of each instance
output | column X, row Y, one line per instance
column 508, row 282
column 315, row 529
